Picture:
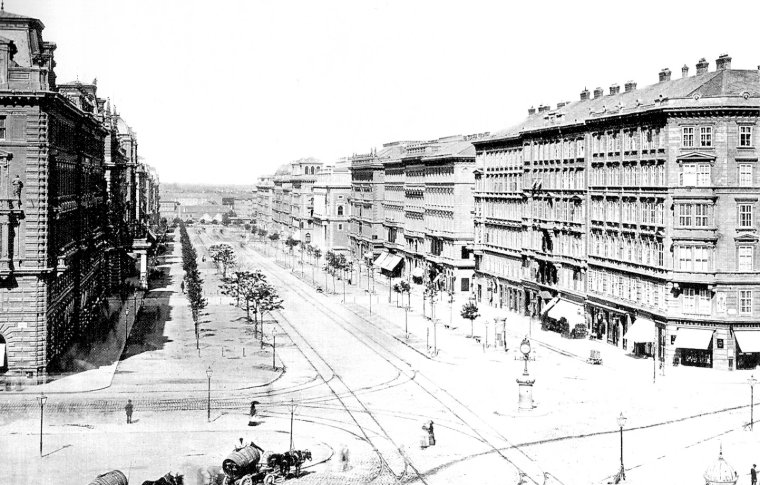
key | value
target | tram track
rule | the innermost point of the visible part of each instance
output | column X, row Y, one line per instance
column 433, row 390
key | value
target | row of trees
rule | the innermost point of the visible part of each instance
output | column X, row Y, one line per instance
column 252, row 289
column 193, row 282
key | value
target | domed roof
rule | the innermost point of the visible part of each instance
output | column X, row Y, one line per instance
column 720, row 472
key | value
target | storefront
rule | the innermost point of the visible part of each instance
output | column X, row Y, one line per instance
column 609, row 324
column 570, row 311
column 641, row 337
column 694, row 347
column 747, row 348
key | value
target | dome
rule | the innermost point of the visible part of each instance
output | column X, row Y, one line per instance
column 720, row 472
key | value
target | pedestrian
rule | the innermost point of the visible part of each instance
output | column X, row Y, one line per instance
column 128, row 409
column 344, row 456
column 182, row 286
column 252, row 413
column 753, row 474
column 431, row 434
column 239, row 446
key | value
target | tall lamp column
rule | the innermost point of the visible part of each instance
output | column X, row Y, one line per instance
column 209, row 372
column 42, row 398
column 752, row 381
column 621, row 422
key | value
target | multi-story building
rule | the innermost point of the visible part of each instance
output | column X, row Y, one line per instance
column 244, row 208
column 332, row 188
column 52, row 219
column 632, row 213
column 293, row 202
column 263, row 208
column 427, row 208
column 367, row 194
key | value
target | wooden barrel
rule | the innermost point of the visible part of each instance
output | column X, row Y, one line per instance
column 111, row 478
column 241, row 461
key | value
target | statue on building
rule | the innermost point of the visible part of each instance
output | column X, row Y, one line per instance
column 17, row 186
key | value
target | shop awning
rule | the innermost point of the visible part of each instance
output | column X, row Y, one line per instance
column 642, row 331
column 2, row 355
column 549, row 305
column 391, row 263
column 379, row 261
column 572, row 312
column 545, row 295
column 368, row 255
column 748, row 340
column 418, row 272
column 693, row 338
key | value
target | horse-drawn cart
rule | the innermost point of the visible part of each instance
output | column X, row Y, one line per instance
column 115, row 477
column 246, row 466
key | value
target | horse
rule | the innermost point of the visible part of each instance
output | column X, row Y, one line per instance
column 299, row 457
column 279, row 460
column 167, row 479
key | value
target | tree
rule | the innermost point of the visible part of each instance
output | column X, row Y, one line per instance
column 405, row 288
column 291, row 243
column 223, row 254
column 470, row 312
column 317, row 254
column 397, row 291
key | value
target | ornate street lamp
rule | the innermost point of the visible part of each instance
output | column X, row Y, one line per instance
column 751, row 381
column 621, row 422
column 525, row 382
column 42, row 398
column 208, row 407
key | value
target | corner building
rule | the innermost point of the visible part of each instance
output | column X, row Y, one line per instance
column 52, row 207
column 632, row 214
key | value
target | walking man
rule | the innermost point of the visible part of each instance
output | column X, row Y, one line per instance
column 128, row 409
column 753, row 474
column 182, row 286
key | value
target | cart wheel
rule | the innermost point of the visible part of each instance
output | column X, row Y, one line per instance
column 269, row 479
column 247, row 480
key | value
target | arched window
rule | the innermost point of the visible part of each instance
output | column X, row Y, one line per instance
column 308, row 238
column 340, row 210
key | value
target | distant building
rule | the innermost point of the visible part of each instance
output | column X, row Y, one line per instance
column 169, row 209
column 264, row 201
column 332, row 187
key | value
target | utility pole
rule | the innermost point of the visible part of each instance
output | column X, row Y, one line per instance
column 292, row 412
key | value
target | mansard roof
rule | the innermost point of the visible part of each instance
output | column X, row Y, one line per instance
column 725, row 87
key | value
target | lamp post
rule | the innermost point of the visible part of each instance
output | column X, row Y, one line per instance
column 42, row 398
column 406, row 322
column 621, row 422
column 208, row 407
column 126, row 328
column 525, row 382
column 751, row 381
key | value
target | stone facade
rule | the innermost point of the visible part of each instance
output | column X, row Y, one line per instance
column 633, row 207
column 332, row 188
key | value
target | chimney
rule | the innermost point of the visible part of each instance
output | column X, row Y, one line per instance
column 614, row 89
column 585, row 94
column 723, row 62
column 542, row 108
column 665, row 75
column 630, row 86
column 702, row 66
column 598, row 93
column 531, row 111
column 685, row 71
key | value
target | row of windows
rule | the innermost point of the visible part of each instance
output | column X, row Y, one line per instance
column 695, row 215
column 501, row 159
column 647, row 139
column 694, row 257
column 500, row 184
column 629, row 175
column 559, row 179
column 646, row 211
column 555, row 150
column 649, row 252
column 558, row 210
column 702, row 136
column 502, row 209
column 628, row 288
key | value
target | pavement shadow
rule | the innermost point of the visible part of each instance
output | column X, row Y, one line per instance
column 147, row 332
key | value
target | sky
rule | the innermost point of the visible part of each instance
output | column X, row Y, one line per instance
column 226, row 91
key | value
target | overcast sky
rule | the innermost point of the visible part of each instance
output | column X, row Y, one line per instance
column 223, row 91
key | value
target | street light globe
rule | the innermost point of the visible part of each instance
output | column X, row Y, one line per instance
column 621, row 420
column 525, row 347
column 209, row 372
column 42, row 399
column 752, row 381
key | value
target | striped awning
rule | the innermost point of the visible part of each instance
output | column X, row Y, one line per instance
column 391, row 262
column 418, row 272
column 642, row 331
column 380, row 259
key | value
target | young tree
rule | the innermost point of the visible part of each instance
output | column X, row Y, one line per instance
column 291, row 243
column 405, row 288
column 470, row 312
column 223, row 254
column 397, row 291
column 317, row 255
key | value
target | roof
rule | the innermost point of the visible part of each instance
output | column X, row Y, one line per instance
column 6, row 15
column 694, row 91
